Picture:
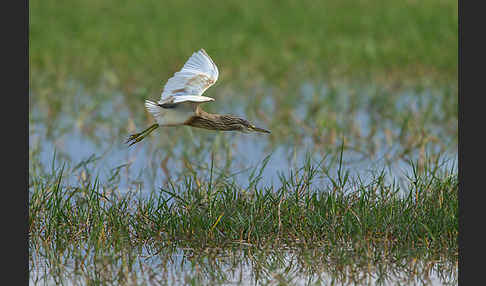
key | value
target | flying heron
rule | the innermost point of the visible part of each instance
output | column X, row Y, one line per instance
column 180, row 101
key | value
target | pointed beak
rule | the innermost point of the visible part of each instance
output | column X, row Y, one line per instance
column 257, row 129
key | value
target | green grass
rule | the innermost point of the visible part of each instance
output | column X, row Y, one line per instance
column 135, row 45
column 349, row 221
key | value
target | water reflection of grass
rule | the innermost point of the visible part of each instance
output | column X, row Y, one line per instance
column 374, row 121
column 243, row 266
column 348, row 221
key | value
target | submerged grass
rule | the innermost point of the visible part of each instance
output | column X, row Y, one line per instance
column 349, row 222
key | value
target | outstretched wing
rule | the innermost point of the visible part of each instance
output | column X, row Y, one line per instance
column 188, row 84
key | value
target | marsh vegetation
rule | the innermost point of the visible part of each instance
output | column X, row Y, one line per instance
column 357, row 184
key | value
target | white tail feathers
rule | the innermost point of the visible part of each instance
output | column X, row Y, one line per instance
column 153, row 108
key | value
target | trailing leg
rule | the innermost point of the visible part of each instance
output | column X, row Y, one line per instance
column 135, row 138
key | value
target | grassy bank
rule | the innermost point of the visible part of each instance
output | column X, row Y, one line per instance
column 141, row 45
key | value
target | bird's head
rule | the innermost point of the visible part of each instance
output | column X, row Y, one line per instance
column 240, row 124
column 246, row 126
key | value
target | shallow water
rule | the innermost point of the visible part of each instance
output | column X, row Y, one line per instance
column 97, row 128
column 381, row 130
column 250, row 267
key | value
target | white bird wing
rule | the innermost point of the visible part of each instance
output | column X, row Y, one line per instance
column 188, row 84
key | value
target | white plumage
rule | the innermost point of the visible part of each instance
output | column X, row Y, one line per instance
column 197, row 75
column 182, row 94
column 183, row 91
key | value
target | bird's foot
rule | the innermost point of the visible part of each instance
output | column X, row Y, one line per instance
column 134, row 138
column 137, row 137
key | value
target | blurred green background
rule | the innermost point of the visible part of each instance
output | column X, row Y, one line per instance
column 375, row 72
column 142, row 43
